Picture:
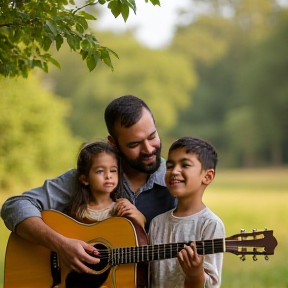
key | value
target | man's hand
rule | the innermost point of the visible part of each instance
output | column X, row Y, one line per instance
column 74, row 253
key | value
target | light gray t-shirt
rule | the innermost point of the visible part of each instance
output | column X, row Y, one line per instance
column 167, row 228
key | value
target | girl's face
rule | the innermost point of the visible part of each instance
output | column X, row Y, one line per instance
column 103, row 174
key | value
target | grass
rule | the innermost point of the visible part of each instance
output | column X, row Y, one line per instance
column 253, row 199
column 242, row 199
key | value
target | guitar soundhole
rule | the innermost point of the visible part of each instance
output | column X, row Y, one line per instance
column 84, row 280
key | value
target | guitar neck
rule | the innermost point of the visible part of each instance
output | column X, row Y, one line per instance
column 124, row 255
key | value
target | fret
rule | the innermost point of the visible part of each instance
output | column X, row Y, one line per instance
column 120, row 255
column 133, row 254
column 138, row 254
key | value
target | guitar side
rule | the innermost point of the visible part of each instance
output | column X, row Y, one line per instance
column 28, row 265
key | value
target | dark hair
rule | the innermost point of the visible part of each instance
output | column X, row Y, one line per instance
column 206, row 154
column 127, row 110
column 82, row 195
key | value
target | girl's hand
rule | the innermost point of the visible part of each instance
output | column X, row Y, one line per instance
column 125, row 208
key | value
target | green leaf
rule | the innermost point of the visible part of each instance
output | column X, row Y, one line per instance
column 115, row 7
column 85, row 44
column 106, row 58
column 87, row 16
column 59, row 41
column 102, row 2
column 83, row 22
column 154, row 2
column 53, row 61
column 132, row 5
column 84, row 54
column 71, row 42
column 46, row 43
column 113, row 52
column 79, row 28
column 91, row 62
column 36, row 63
column 52, row 27
column 45, row 67
column 125, row 11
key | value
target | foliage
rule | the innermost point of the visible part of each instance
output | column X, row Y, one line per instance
column 34, row 138
column 269, row 61
column 163, row 79
column 28, row 28
column 238, row 104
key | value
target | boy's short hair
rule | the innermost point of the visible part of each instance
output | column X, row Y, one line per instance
column 206, row 154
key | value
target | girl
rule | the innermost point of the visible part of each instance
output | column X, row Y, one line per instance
column 99, row 186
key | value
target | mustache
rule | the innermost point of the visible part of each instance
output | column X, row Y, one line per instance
column 144, row 155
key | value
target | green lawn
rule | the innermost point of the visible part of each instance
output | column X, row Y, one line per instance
column 253, row 199
column 243, row 199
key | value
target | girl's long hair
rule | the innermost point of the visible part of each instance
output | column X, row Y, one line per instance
column 82, row 196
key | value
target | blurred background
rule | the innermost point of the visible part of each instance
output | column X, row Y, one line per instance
column 214, row 69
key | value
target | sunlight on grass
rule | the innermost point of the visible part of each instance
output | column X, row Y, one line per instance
column 242, row 199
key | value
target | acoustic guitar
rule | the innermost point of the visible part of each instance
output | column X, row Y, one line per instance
column 124, row 254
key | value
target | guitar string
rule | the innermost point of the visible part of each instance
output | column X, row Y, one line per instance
column 104, row 253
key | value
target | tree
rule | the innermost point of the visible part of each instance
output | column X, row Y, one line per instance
column 29, row 27
column 267, row 93
column 161, row 78
column 35, row 140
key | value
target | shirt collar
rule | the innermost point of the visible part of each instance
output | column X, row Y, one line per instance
column 158, row 177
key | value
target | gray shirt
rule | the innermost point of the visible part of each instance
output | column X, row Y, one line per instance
column 167, row 228
column 151, row 199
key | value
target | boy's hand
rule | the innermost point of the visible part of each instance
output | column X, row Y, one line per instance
column 192, row 266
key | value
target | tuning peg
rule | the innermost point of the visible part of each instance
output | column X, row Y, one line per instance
column 254, row 230
column 242, row 258
column 254, row 258
column 266, row 257
column 242, row 230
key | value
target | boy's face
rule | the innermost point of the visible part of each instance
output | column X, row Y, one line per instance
column 184, row 174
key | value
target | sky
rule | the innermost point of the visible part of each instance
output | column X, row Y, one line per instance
column 153, row 25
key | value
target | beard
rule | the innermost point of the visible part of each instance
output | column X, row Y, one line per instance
column 139, row 165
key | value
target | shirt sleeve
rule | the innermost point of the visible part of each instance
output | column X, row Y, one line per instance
column 54, row 194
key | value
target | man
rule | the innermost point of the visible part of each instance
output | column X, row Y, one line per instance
column 132, row 130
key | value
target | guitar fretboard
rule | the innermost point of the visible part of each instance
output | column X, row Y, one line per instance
column 125, row 255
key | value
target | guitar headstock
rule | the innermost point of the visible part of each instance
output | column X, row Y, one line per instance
column 253, row 243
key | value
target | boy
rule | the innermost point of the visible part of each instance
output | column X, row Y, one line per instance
column 190, row 167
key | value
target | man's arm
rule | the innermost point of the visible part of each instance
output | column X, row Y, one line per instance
column 72, row 252
column 22, row 214
column 54, row 194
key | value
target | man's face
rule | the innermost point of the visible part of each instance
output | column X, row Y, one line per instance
column 140, row 144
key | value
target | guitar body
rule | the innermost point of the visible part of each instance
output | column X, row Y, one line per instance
column 29, row 266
